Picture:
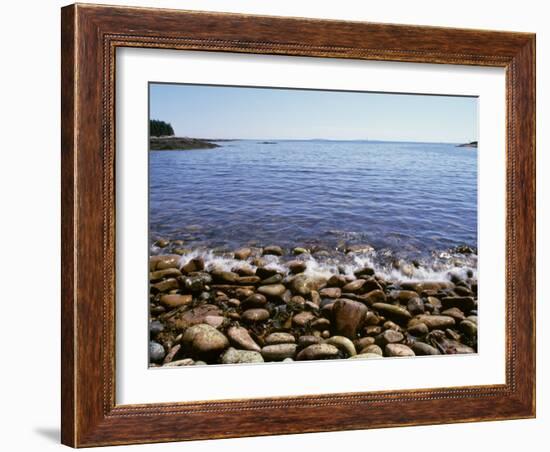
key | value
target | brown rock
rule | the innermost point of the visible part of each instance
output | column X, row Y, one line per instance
column 242, row 253
column 241, row 339
column 205, row 340
column 433, row 322
column 395, row 312
column 278, row 352
column 303, row 318
column 274, row 250
column 193, row 265
column 256, row 300
column 354, row 286
column 331, row 292
column 193, row 316
column 348, row 316
column 318, row 351
column 280, row 338
column 175, row 301
column 255, row 315
column 272, row 290
column 398, row 350
column 297, row 266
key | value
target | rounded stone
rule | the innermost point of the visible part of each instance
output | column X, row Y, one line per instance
column 156, row 352
column 342, row 343
column 205, row 340
column 280, row 338
column 233, row 356
column 255, row 315
column 278, row 352
column 398, row 350
column 318, row 351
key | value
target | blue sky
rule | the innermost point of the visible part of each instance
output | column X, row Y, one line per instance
column 265, row 113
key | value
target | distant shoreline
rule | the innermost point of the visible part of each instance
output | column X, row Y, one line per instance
column 471, row 144
column 179, row 143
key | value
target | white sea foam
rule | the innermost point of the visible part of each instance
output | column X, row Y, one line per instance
column 439, row 268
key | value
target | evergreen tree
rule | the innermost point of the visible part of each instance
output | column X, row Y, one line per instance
column 160, row 128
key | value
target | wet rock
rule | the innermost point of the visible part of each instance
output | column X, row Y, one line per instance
column 371, row 284
column 354, row 286
column 348, row 317
column 318, row 351
column 273, row 290
column 463, row 291
column 156, row 352
column 193, row 265
column 264, row 272
column 469, row 328
column 365, row 271
column 196, row 281
column 247, row 280
column 455, row 313
column 240, row 337
column 303, row 318
column 403, row 296
column 433, row 322
column 234, row 302
column 337, row 281
column 255, row 315
column 395, row 312
column 389, row 337
column 343, row 344
column 280, row 338
column 233, row 356
column 275, row 279
column 307, row 340
column 223, row 277
column 161, row 274
column 373, row 348
column 242, row 293
column 330, row 292
column 205, row 341
column 363, row 342
column 175, row 301
column 165, row 285
column 374, row 296
column 278, row 352
column 242, row 253
column 415, row 306
column 435, row 302
column 299, row 250
column 303, row 285
column 465, row 304
column 297, row 266
column 161, row 243
column 193, row 316
column 273, row 250
column 423, row 349
column 321, row 324
column 244, row 270
column 256, row 300
column 297, row 301
column 155, row 327
column 164, row 262
column 419, row 329
column 398, row 350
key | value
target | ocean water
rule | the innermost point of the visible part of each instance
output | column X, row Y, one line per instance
column 406, row 200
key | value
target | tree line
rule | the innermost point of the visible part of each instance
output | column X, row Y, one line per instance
column 160, row 128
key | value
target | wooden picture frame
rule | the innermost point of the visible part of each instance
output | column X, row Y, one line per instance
column 90, row 36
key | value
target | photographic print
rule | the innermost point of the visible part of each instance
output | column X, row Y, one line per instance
column 290, row 225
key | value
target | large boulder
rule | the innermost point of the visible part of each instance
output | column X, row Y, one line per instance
column 348, row 316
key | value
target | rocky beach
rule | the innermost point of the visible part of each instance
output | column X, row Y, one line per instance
column 275, row 304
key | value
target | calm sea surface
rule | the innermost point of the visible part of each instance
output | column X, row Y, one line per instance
column 410, row 198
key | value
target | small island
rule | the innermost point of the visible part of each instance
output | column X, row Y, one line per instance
column 169, row 143
column 471, row 144
column 162, row 139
